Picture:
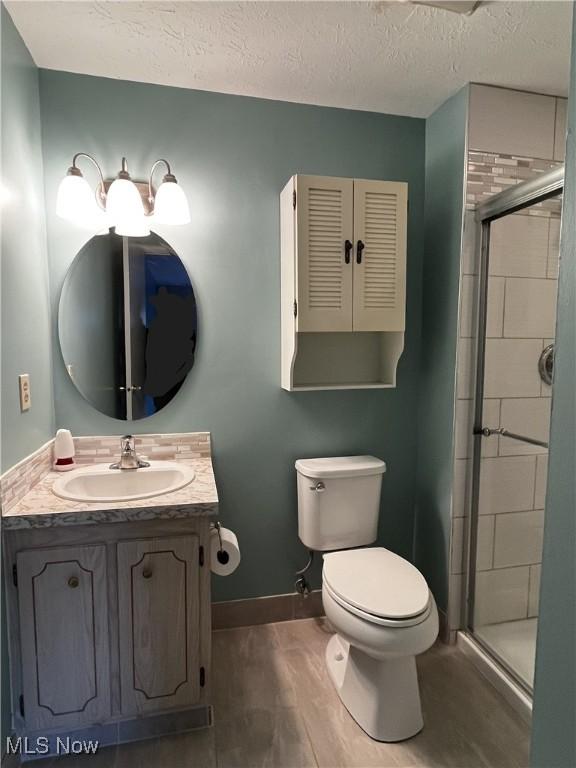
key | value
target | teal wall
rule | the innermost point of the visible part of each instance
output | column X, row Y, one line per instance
column 554, row 719
column 25, row 310
column 26, row 339
column 233, row 155
column 446, row 132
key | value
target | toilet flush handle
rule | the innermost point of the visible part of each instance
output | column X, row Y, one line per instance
column 318, row 487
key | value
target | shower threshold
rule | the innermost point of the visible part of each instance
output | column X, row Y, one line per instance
column 515, row 643
column 494, row 671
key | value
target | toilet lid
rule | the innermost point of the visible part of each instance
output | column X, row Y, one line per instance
column 377, row 581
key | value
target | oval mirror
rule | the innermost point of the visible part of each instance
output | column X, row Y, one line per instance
column 127, row 324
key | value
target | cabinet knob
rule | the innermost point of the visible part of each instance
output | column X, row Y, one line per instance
column 73, row 582
column 147, row 573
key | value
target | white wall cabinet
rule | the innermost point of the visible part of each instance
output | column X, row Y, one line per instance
column 343, row 252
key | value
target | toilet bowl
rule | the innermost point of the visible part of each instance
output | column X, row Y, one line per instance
column 378, row 603
column 384, row 616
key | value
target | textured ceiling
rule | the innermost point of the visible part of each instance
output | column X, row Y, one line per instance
column 383, row 56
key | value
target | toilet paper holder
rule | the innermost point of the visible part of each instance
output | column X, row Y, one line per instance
column 222, row 556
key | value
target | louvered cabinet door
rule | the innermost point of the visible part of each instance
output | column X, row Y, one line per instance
column 158, row 599
column 380, row 217
column 324, row 221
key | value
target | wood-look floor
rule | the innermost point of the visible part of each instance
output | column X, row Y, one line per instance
column 275, row 707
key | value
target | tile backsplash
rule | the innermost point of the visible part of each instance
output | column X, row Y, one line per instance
column 19, row 479
column 165, row 447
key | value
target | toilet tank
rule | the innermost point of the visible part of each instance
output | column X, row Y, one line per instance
column 339, row 501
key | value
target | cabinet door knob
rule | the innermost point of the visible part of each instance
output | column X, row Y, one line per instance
column 73, row 582
column 348, row 245
column 359, row 248
column 147, row 573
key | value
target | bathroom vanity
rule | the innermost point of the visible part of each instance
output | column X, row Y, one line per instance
column 109, row 610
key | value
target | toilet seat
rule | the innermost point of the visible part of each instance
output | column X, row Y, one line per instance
column 378, row 620
column 377, row 585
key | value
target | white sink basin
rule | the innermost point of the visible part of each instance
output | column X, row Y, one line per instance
column 100, row 483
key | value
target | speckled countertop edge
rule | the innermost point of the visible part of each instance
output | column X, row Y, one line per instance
column 40, row 508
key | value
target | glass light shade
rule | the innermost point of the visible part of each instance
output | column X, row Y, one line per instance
column 133, row 226
column 125, row 209
column 76, row 202
column 123, row 201
column 170, row 204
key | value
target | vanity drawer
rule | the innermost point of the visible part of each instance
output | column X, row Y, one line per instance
column 159, row 614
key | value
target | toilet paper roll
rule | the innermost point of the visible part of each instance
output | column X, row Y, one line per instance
column 224, row 561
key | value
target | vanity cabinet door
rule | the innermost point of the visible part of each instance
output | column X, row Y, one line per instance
column 158, row 601
column 64, row 636
column 380, row 219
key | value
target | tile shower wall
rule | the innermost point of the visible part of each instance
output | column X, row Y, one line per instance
column 521, row 316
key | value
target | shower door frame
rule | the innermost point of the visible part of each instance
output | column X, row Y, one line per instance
column 510, row 201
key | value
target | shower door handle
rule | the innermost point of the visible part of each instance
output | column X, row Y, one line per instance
column 488, row 431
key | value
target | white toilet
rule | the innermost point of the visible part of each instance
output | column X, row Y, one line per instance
column 378, row 603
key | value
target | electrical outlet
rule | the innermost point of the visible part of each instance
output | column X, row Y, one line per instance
column 24, row 384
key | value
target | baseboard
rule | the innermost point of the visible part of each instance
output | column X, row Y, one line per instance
column 266, row 610
column 446, row 635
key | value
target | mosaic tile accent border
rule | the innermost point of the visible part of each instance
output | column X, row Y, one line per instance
column 490, row 173
column 16, row 482
column 19, row 479
column 159, row 447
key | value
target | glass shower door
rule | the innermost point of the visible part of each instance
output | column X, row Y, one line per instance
column 517, row 311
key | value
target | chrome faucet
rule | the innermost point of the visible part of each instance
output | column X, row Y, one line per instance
column 128, row 456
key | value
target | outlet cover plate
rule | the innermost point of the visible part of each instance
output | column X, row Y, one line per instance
column 24, row 385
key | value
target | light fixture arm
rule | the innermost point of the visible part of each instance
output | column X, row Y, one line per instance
column 168, row 177
column 75, row 171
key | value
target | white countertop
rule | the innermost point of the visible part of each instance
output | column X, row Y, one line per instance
column 40, row 507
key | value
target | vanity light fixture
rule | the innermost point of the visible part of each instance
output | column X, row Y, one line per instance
column 122, row 203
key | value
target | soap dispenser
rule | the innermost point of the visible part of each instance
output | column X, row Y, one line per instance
column 64, row 451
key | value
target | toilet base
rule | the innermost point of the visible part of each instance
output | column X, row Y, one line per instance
column 381, row 695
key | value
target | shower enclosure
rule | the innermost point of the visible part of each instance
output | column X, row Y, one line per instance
column 516, row 312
